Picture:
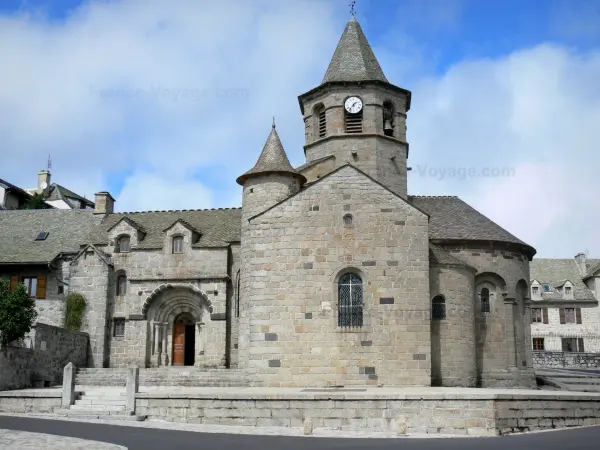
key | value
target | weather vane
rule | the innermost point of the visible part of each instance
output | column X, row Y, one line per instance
column 273, row 122
column 352, row 5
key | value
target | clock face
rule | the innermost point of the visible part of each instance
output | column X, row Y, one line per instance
column 353, row 105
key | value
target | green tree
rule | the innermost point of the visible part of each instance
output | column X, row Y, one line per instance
column 36, row 201
column 17, row 313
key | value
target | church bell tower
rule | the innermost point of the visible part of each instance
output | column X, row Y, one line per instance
column 357, row 116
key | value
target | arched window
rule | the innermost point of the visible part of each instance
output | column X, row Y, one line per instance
column 438, row 308
column 348, row 220
column 320, row 120
column 353, row 122
column 388, row 118
column 177, row 244
column 121, row 284
column 485, row 300
column 350, row 301
column 122, row 244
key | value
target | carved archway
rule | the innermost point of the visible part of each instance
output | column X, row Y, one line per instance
column 164, row 290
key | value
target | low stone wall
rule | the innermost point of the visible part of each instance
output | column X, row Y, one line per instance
column 566, row 360
column 52, row 348
column 458, row 412
column 32, row 401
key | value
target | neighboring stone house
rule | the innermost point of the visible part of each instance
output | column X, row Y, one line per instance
column 11, row 196
column 329, row 274
column 59, row 196
column 564, row 300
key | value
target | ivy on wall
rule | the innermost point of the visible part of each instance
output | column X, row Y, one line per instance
column 74, row 309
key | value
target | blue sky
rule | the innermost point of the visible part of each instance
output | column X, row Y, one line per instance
column 164, row 104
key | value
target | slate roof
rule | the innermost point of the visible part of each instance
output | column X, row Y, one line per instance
column 550, row 270
column 67, row 230
column 273, row 159
column 58, row 192
column 453, row 219
column 593, row 266
column 217, row 227
column 353, row 59
column 440, row 256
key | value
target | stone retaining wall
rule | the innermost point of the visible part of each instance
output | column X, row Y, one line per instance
column 30, row 401
column 563, row 359
column 471, row 413
column 52, row 348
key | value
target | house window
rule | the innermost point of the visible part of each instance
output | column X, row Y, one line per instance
column 538, row 343
column 350, row 301
column 485, row 300
column 348, row 220
column 119, row 328
column 438, row 308
column 568, row 290
column 547, row 287
column 31, row 285
column 61, row 290
column 536, row 290
column 178, row 244
column 122, row 244
column 569, row 315
column 536, row 315
column 572, row 345
column 121, row 285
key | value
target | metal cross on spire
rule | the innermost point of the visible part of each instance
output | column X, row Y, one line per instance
column 352, row 10
column 273, row 122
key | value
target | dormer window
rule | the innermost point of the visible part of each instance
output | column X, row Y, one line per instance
column 535, row 290
column 177, row 244
column 568, row 290
column 547, row 287
column 122, row 244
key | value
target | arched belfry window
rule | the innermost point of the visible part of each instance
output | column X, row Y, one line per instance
column 350, row 301
column 485, row 300
column 438, row 308
column 320, row 120
column 388, row 118
column 121, row 284
column 353, row 122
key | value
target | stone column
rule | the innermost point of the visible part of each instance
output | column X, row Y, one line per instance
column 68, row 391
column 509, row 321
column 164, row 354
column 199, row 344
column 133, row 383
column 156, row 344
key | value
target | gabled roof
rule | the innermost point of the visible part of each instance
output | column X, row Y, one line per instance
column 554, row 271
column 217, row 227
column 67, row 230
column 103, row 256
column 453, row 219
column 594, row 266
column 442, row 257
column 130, row 222
column 185, row 224
column 273, row 159
column 58, row 192
column 353, row 59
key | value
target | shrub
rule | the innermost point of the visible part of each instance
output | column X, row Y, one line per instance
column 74, row 310
column 17, row 313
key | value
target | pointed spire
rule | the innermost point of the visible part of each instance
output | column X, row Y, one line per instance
column 353, row 59
column 273, row 159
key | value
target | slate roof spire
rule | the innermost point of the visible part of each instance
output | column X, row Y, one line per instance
column 353, row 59
column 273, row 159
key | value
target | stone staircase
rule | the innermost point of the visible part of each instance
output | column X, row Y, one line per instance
column 580, row 380
column 164, row 376
column 100, row 403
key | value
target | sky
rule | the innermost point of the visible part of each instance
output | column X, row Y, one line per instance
column 165, row 103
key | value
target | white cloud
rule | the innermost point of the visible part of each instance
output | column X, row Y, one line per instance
column 533, row 117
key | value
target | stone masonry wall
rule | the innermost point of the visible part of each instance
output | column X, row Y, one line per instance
column 453, row 338
column 497, row 363
column 90, row 276
column 293, row 256
column 16, row 368
column 566, row 360
column 554, row 331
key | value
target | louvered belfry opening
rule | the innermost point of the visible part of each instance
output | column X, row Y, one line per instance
column 354, row 122
column 350, row 302
column 322, row 124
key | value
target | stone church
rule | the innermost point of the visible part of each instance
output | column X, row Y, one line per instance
column 330, row 274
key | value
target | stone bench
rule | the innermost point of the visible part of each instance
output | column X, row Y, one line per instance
column 40, row 380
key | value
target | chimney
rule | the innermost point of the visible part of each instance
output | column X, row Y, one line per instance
column 43, row 182
column 580, row 261
column 105, row 203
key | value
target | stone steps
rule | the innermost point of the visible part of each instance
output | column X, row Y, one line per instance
column 106, row 415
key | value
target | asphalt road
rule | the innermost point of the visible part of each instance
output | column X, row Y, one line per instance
column 135, row 438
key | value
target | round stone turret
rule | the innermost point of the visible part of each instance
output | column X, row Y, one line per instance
column 271, row 180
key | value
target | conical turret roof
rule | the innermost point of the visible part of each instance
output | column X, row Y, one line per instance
column 273, row 159
column 353, row 59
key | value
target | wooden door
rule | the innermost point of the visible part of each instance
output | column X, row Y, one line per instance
column 179, row 344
